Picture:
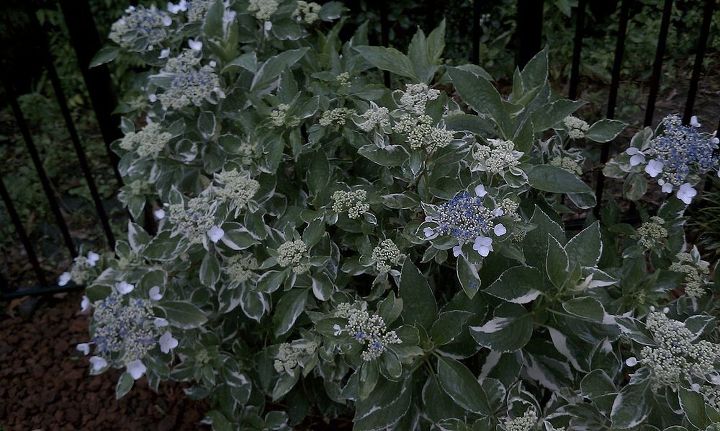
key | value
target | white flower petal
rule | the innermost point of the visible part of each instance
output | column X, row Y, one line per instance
column 152, row 98
column 654, row 167
column 267, row 26
column 631, row 361
column 637, row 159
column 92, row 258
column 694, row 121
column 428, row 232
column 97, row 364
column 136, row 369
column 167, row 342
column 480, row 190
column 124, row 287
column 84, row 304
column 83, row 348
column 499, row 229
column 167, row 21
column 160, row 322
column 497, row 212
column 457, row 250
column 215, row 233
column 159, row 214
column 632, row 151
column 667, row 188
column 195, row 44
column 155, row 293
column 483, row 245
column 686, row 193
column 165, row 53
column 64, row 279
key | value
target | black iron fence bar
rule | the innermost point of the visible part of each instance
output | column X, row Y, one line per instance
column 577, row 48
column 658, row 63
column 385, row 35
column 24, row 239
column 529, row 29
column 475, row 54
column 40, row 291
column 85, row 40
column 612, row 97
column 44, row 180
column 74, row 137
column 699, row 57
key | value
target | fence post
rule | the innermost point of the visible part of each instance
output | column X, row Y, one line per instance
column 577, row 48
column 528, row 32
column 86, row 43
column 657, row 64
column 475, row 54
column 699, row 57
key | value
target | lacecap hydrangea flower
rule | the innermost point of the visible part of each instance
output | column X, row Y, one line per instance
column 279, row 117
column 196, row 9
column 468, row 220
column 696, row 272
column 420, row 133
column 354, row 202
column 652, row 234
column 189, row 82
column 196, row 220
column 263, row 9
column 240, row 267
column 141, row 28
column 147, row 142
column 337, row 116
column 568, row 163
column 497, row 157
column 307, row 12
column 375, row 117
column 526, row 422
column 79, row 273
column 385, row 255
column 368, row 329
column 292, row 355
column 236, row 188
column 293, row 254
column 415, row 97
column 576, row 127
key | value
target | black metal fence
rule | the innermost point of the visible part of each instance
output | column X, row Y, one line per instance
column 86, row 41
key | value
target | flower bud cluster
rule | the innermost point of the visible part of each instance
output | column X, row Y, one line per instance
column 148, row 142
column 240, row 267
column 306, row 12
column 675, row 357
column 343, row 79
column 526, row 422
column 141, row 28
column 696, row 272
column 652, row 234
column 421, row 134
column 292, row 355
column 495, row 158
column 197, row 9
column 191, row 84
column 236, row 188
column 415, row 97
column 376, row 116
column 263, row 9
column 369, row 330
column 567, row 163
column 385, row 255
column 81, row 269
column 336, row 116
column 510, row 209
column 279, row 117
column 576, row 127
column 195, row 220
column 354, row 202
column 293, row 254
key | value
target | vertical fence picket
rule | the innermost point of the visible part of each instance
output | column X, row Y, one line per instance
column 475, row 54
column 385, row 35
column 72, row 132
column 699, row 57
column 658, row 63
column 577, row 48
column 529, row 20
column 612, row 97
column 20, row 230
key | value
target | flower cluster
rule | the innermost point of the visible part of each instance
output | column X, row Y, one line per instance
column 376, row 116
column 385, row 255
column 279, row 117
column 675, row 357
column 194, row 221
column 196, row 9
column 421, row 134
column 190, row 83
column 80, row 270
column 141, row 28
column 652, row 234
column 678, row 157
column 306, row 12
column 368, row 329
column 240, row 267
column 263, row 9
column 696, row 272
column 290, row 355
column 354, row 202
column 576, row 127
column 336, row 116
column 495, row 158
column 568, row 163
column 343, row 79
column 293, row 254
column 236, row 188
column 415, row 97
column 526, row 422
column 465, row 218
column 125, row 331
column 148, row 142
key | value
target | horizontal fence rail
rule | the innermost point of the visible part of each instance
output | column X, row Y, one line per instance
column 529, row 16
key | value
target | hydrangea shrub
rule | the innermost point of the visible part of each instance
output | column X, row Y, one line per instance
column 332, row 248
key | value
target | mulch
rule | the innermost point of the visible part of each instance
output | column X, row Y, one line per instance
column 45, row 385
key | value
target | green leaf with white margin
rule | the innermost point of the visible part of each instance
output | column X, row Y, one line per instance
column 137, row 237
column 448, row 326
column 462, row 386
column 557, row 264
column 605, row 130
column 544, row 119
column 535, row 72
column 468, row 276
column 322, row 286
column 535, row 242
column 519, row 284
column 124, row 385
column 586, row 247
column 389, row 59
column 271, row 69
column 508, row 331
column 288, row 309
column 105, row 55
column 419, row 304
column 588, row 308
column 631, row 406
column 549, row 178
column 184, row 315
column 597, row 384
column 693, row 404
column 635, row 186
column 391, row 155
column 218, row 421
column 483, row 97
column 384, row 407
column 210, row 270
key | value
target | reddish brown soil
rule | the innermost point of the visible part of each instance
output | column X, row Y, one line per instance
column 44, row 381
